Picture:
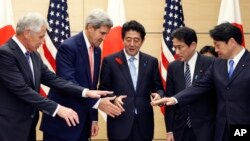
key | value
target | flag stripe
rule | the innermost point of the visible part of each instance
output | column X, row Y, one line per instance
column 49, row 56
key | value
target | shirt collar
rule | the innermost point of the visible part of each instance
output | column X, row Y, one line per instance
column 86, row 40
column 237, row 58
column 128, row 56
column 193, row 59
column 20, row 45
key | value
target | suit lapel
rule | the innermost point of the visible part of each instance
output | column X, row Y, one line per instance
column 36, row 70
column 97, row 58
column 24, row 65
column 242, row 64
column 143, row 63
column 84, row 52
column 199, row 69
column 180, row 74
column 124, row 69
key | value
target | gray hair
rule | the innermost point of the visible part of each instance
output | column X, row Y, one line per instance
column 98, row 18
column 33, row 21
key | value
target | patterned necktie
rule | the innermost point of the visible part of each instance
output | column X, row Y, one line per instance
column 27, row 55
column 91, row 62
column 187, row 76
column 231, row 68
column 132, row 70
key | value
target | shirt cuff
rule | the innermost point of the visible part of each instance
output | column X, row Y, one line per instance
column 97, row 104
column 84, row 92
column 176, row 101
column 57, row 108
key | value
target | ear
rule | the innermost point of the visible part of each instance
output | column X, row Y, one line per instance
column 26, row 33
column 193, row 45
column 231, row 42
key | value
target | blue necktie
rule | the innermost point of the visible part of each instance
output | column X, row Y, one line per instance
column 27, row 55
column 231, row 68
column 132, row 70
column 188, row 83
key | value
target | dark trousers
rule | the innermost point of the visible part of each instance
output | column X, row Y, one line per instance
column 135, row 134
column 32, row 134
column 188, row 134
column 48, row 137
column 226, row 133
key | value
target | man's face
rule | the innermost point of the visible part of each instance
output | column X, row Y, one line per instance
column 223, row 49
column 34, row 39
column 183, row 51
column 132, row 42
column 96, row 36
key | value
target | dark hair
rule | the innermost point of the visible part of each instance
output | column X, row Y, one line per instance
column 185, row 34
column 225, row 31
column 208, row 49
column 133, row 25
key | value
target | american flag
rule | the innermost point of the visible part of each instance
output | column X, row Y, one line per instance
column 59, row 30
column 173, row 19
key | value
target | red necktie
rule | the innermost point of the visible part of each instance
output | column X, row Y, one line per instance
column 91, row 61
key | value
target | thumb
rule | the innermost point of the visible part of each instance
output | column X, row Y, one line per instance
column 123, row 96
column 111, row 98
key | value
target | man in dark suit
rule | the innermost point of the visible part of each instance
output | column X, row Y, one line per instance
column 229, row 76
column 193, row 122
column 22, row 71
column 74, row 63
column 134, row 77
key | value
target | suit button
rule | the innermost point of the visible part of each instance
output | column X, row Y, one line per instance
column 228, row 88
column 32, row 116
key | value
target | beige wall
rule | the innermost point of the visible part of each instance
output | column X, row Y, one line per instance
column 199, row 14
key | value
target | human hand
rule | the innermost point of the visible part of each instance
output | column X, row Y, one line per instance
column 94, row 128
column 118, row 102
column 166, row 100
column 170, row 136
column 97, row 94
column 108, row 107
column 155, row 96
column 69, row 115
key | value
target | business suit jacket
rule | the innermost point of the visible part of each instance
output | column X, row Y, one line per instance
column 115, row 76
column 232, row 94
column 20, row 96
column 73, row 64
column 201, row 111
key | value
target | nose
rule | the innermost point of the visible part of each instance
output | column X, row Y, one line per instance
column 177, row 51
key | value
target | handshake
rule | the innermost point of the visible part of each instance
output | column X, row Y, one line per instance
column 104, row 104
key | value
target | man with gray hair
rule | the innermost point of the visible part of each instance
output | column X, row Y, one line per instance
column 78, row 60
column 22, row 71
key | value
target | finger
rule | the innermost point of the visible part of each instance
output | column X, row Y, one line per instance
column 115, row 110
column 120, row 106
column 67, row 121
column 72, row 121
column 111, row 98
column 104, row 93
column 110, row 114
column 76, row 118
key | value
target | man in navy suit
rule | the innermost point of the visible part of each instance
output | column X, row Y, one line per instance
column 78, row 60
column 135, row 79
column 193, row 122
column 230, row 78
column 21, row 73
